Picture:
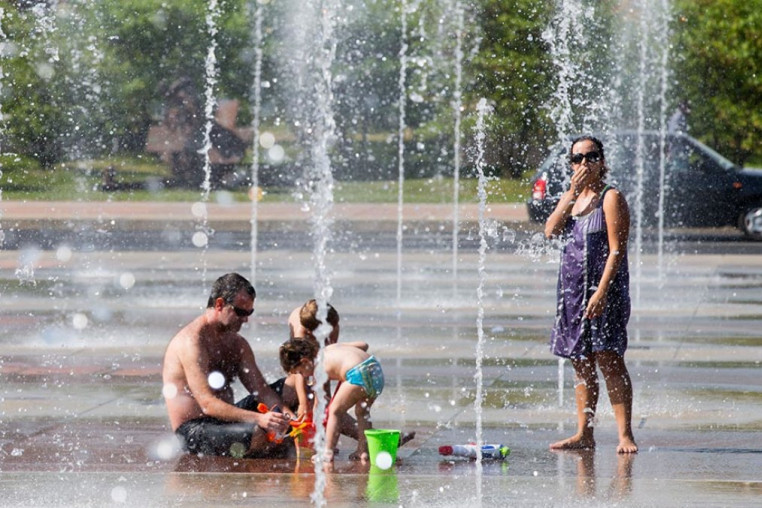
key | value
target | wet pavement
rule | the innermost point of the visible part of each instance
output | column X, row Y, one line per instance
column 83, row 331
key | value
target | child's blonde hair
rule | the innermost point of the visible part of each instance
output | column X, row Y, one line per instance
column 308, row 315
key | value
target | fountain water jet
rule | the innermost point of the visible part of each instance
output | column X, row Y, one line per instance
column 321, row 124
column 480, row 138
column 401, row 145
column 2, row 76
column 457, row 106
column 257, row 99
column 203, row 232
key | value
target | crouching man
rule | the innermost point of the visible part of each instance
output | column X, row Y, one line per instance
column 200, row 364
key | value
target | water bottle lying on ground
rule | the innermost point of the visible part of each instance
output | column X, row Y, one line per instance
column 489, row 451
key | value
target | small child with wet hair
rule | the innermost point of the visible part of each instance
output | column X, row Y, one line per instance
column 361, row 382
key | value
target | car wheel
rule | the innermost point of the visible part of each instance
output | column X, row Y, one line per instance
column 750, row 222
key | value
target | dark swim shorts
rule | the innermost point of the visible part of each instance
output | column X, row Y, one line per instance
column 210, row 436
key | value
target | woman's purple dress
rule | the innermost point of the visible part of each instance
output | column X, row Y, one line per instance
column 582, row 262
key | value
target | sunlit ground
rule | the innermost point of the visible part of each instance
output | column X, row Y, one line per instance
column 84, row 423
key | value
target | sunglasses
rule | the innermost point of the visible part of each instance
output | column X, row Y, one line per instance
column 577, row 158
column 242, row 312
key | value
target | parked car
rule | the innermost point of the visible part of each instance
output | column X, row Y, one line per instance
column 700, row 188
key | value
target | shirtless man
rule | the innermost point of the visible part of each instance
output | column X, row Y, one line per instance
column 200, row 364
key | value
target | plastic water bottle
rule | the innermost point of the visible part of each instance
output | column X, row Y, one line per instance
column 489, row 451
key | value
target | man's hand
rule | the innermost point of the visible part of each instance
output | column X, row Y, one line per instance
column 274, row 422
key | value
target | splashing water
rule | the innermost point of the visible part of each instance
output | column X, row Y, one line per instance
column 483, row 110
column 565, row 35
column 653, row 82
column 317, row 100
column 203, row 232
column 457, row 105
column 211, row 71
column 401, row 144
column 2, row 75
column 257, row 99
column 663, row 33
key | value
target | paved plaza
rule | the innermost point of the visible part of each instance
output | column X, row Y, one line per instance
column 83, row 422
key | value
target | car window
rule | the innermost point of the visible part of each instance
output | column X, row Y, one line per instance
column 686, row 157
column 715, row 157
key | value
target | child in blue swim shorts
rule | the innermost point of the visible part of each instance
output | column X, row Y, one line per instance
column 361, row 382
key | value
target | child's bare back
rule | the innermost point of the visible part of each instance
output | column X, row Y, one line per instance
column 341, row 357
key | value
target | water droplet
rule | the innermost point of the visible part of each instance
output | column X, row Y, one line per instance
column 199, row 210
column 167, row 448
column 169, row 391
column 79, row 321
column 200, row 239
column 63, row 253
column 237, row 450
column 119, row 494
column 266, row 140
column 127, row 280
column 216, row 380
column 276, row 153
column 383, row 460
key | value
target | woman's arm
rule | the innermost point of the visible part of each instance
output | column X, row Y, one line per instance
column 618, row 232
column 557, row 220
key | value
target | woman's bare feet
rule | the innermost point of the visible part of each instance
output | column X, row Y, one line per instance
column 574, row 443
column 627, row 445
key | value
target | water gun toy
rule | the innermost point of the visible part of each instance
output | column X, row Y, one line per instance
column 489, row 451
column 271, row 436
column 301, row 431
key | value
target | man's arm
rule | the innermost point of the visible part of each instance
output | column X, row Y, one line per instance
column 253, row 380
column 195, row 363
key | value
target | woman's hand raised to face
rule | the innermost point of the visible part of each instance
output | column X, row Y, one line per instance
column 580, row 179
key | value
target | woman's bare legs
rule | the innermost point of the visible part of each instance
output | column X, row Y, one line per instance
column 586, row 391
column 619, row 387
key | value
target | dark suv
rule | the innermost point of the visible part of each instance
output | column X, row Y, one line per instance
column 701, row 187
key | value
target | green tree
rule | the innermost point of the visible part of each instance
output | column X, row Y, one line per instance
column 89, row 77
column 513, row 70
column 718, row 69
column 33, row 120
column 152, row 44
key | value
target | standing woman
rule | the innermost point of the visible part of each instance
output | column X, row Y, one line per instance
column 590, row 329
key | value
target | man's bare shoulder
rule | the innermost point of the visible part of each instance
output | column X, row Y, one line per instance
column 239, row 344
column 189, row 334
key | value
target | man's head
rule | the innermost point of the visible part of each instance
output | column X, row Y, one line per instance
column 309, row 320
column 232, row 296
column 298, row 355
column 228, row 286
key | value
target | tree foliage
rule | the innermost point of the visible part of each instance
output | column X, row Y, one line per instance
column 88, row 78
column 719, row 71
column 513, row 70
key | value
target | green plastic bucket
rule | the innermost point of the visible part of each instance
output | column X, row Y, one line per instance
column 382, row 440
